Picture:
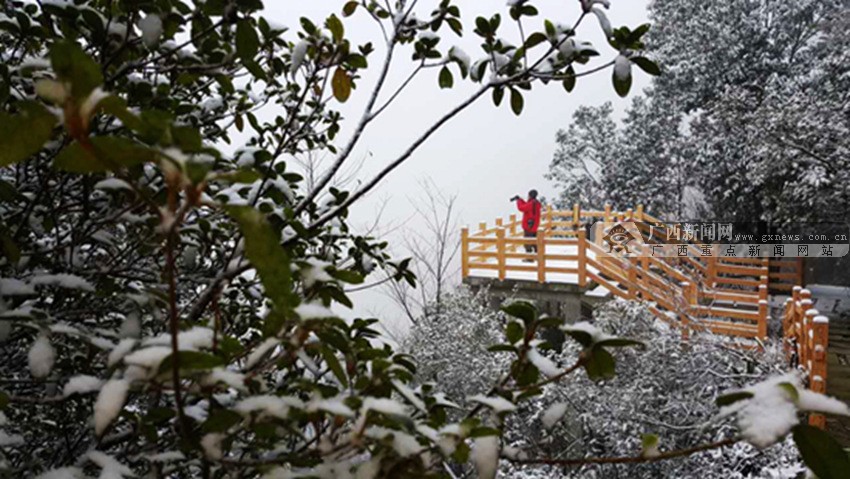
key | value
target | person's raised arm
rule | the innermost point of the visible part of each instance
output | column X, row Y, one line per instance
column 522, row 205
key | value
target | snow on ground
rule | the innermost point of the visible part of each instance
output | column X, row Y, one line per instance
column 830, row 299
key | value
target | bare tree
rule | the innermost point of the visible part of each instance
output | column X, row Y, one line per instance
column 433, row 248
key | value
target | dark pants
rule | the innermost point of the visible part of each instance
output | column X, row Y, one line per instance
column 530, row 248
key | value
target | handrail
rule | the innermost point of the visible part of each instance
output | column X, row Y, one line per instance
column 702, row 281
column 806, row 337
column 693, row 292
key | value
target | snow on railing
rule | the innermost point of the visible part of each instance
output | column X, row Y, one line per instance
column 724, row 295
column 806, row 338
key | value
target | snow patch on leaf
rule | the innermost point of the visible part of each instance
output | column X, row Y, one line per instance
column 41, row 357
column 553, row 414
column 496, row 403
column 109, row 403
column 82, row 384
column 485, row 456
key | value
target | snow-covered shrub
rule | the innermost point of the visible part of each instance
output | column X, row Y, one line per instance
column 170, row 280
column 669, row 390
column 451, row 347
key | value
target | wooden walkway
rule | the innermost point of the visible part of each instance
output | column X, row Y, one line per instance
column 696, row 291
column 693, row 291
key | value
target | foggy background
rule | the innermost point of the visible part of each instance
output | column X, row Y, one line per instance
column 485, row 155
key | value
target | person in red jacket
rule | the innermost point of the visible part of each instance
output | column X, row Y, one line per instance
column 530, row 209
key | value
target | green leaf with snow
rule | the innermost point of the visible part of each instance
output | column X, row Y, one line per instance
column 821, row 452
column 220, row 420
column 732, row 398
column 341, row 85
column 105, row 153
column 514, row 332
column 446, row 79
column 522, row 310
column 24, row 134
column 346, row 276
column 646, row 65
column 247, row 41
column 600, row 364
column 649, row 445
column 582, row 337
column 334, row 365
column 265, row 252
column 620, row 343
column 72, row 65
column 334, row 24
column 790, row 390
column 622, row 85
column 517, row 102
column 191, row 361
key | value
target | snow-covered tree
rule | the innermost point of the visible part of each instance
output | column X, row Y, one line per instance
column 746, row 122
column 585, row 153
column 167, row 305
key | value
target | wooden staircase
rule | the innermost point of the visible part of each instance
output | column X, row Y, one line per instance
column 694, row 291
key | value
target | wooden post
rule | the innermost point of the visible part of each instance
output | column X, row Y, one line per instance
column 817, row 381
column 582, row 258
column 763, row 309
column 464, row 252
column 694, row 296
column 763, row 318
column 541, row 258
column 630, row 214
column 685, row 319
column 513, row 225
column 548, row 217
column 500, row 252
column 787, row 326
column 711, row 271
column 808, row 319
column 607, row 213
column 801, row 270
column 482, row 226
column 577, row 216
column 639, row 212
column 799, row 328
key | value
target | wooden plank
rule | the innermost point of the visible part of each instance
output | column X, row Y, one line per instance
column 729, row 329
column 738, row 282
column 778, row 275
column 561, row 257
column 739, row 270
column 522, row 267
column 728, row 313
column 550, row 269
column 493, row 267
column 736, row 260
column 606, row 284
column 739, row 297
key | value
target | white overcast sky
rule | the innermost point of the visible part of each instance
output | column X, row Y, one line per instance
column 485, row 155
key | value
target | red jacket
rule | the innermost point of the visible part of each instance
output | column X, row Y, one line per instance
column 530, row 214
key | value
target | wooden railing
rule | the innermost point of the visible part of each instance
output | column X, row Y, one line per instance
column 723, row 295
column 806, row 337
column 720, row 294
